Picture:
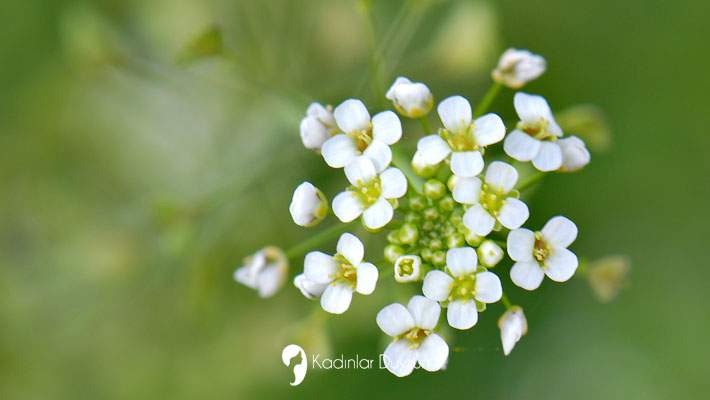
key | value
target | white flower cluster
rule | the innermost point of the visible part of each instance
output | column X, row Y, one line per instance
column 450, row 231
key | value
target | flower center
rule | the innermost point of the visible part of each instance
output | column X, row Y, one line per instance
column 492, row 199
column 537, row 129
column 463, row 288
column 460, row 141
column 416, row 336
column 368, row 192
column 540, row 250
column 406, row 267
column 362, row 138
column 345, row 272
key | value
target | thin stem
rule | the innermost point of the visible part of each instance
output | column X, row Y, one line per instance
column 506, row 301
column 487, row 99
column 401, row 162
column 424, row 121
column 317, row 239
column 531, row 180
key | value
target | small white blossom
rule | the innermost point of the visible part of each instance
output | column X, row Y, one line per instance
column 543, row 253
column 462, row 138
column 362, row 136
column 317, row 126
column 308, row 205
column 309, row 289
column 265, row 271
column 411, row 99
column 489, row 253
column 370, row 193
column 513, row 326
column 492, row 201
column 536, row 135
column 414, row 341
column 343, row 273
column 575, row 155
column 518, row 67
column 462, row 288
column 407, row 268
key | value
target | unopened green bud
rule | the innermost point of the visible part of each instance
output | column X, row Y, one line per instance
column 392, row 252
column 489, row 253
column 431, row 214
column 434, row 189
column 408, row 234
column 438, row 258
column 455, row 240
column 421, row 168
column 447, row 203
column 428, row 225
column 393, row 237
column 412, row 218
column 426, row 253
column 417, row 203
column 473, row 239
column 436, row 244
column 481, row 307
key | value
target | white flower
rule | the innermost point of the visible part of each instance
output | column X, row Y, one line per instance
column 462, row 288
column 343, row 273
column 411, row 99
column 265, row 271
column 310, row 290
column 407, row 268
column 518, row 67
column 462, row 137
column 362, row 136
column 489, row 253
column 513, row 326
column 414, row 340
column 574, row 154
column 369, row 194
column 492, row 200
column 317, row 126
column 543, row 253
column 308, row 205
column 535, row 137
column 421, row 167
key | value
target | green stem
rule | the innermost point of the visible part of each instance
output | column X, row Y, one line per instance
column 531, row 180
column 401, row 162
column 424, row 120
column 487, row 99
column 315, row 240
column 506, row 301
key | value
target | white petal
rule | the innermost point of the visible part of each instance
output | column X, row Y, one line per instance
column 531, row 108
column 433, row 149
column 549, row 158
column 339, row 150
column 306, row 205
column 574, row 153
column 394, row 319
column 520, row 244
column 360, row 170
column 399, row 359
column 270, row 280
column 527, row 275
column 323, row 114
column 488, row 129
column 467, row 190
column 386, row 127
column 561, row 265
column 462, row 314
column 501, row 176
column 488, row 287
column 461, row 261
column 394, row 183
column 513, row 326
column 437, row 285
column 466, row 164
column 366, row 278
column 336, row 298
column 380, row 154
column 350, row 247
column 313, row 133
column 424, row 311
column 432, row 353
column 347, row 206
column 513, row 214
column 378, row 214
column 476, row 219
column 559, row 231
column 455, row 113
column 319, row 267
column 392, row 91
column 521, row 146
column 351, row 116
column 308, row 288
column 246, row 277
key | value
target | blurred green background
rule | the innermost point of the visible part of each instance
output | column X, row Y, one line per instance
column 132, row 185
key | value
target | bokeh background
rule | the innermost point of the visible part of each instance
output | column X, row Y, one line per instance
column 138, row 168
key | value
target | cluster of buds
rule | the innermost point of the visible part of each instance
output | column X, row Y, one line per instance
column 451, row 214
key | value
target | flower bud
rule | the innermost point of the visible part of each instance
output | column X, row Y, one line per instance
column 473, row 239
column 317, row 126
column 434, row 189
column 574, row 154
column 455, row 240
column 310, row 289
column 518, row 67
column 513, row 326
column 407, row 268
column 265, row 271
column 489, row 253
column 392, row 252
column 410, row 99
column 408, row 234
column 439, row 258
column 417, row 203
column 420, row 166
column 607, row 276
column 309, row 205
